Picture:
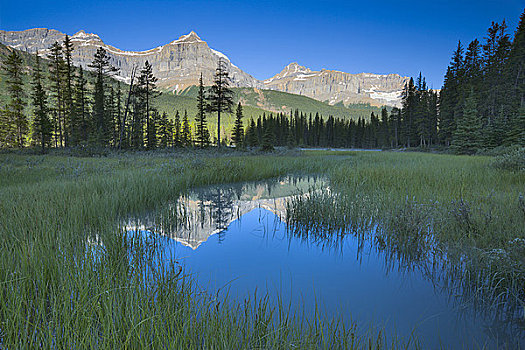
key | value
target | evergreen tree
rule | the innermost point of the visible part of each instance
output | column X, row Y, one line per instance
column 68, row 90
column 515, row 72
column 220, row 98
column 42, row 128
column 177, row 137
column 409, row 113
column 56, row 72
column 80, row 125
column 268, row 138
column 467, row 134
column 17, row 124
column 101, row 120
column 202, row 135
column 238, row 130
column 163, row 131
column 186, row 131
column 251, row 135
column 450, row 97
column 148, row 91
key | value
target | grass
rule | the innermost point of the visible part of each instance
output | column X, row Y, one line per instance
column 61, row 289
column 459, row 213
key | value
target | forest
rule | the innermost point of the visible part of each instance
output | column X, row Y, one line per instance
column 481, row 106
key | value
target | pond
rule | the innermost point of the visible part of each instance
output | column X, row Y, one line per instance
column 234, row 239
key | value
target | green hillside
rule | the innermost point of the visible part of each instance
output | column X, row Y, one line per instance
column 255, row 101
column 277, row 101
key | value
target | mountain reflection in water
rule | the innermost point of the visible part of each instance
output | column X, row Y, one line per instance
column 236, row 237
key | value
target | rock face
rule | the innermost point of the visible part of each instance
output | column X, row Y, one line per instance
column 333, row 86
column 179, row 64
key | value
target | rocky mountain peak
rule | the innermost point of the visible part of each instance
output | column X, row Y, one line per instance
column 179, row 65
column 334, row 86
column 83, row 36
column 294, row 68
column 190, row 38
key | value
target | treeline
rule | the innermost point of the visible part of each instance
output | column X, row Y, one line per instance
column 481, row 105
column 69, row 112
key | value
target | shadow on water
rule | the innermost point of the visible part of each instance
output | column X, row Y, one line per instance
column 307, row 245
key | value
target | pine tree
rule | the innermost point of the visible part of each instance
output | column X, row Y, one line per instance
column 238, row 130
column 118, row 123
column 56, row 71
column 80, row 126
column 42, row 128
column 186, row 131
column 202, row 135
column 101, row 121
column 268, row 138
column 251, row 135
column 450, row 97
column 148, row 89
column 17, row 124
column 220, row 98
column 409, row 110
column 515, row 73
column 163, row 131
column 69, row 69
column 467, row 135
column 177, row 132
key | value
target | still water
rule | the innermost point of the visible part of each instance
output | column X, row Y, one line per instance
column 234, row 239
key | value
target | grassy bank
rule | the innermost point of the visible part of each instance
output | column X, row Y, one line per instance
column 58, row 291
column 459, row 219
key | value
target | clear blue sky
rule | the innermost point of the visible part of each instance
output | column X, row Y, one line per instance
column 261, row 37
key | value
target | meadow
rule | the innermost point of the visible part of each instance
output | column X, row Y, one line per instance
column 69, row 278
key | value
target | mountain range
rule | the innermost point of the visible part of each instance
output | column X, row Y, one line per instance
column 178, row 66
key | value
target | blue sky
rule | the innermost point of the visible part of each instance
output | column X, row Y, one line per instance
column 261, row 37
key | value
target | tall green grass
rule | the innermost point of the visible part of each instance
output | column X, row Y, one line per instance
column 458, row 219
column 69, row 278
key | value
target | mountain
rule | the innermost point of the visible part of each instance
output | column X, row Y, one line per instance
column 333, row 86
column 256, row 101
column 178, row 65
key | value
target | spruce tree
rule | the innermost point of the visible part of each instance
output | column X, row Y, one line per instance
column 163, row 131
column 148, row 90
column 251, row 135
column 202, row 135
column 17, row 124
column 450, row 98
column 238, row 130
column 186, row 131
column 177, row 137
column 69, row 69
column 42, row 128
column 81, row 125
column 467, row 136
column 101, row 121
column 56, row 76
column 268, row 137
column 220, row 97
column 515, row 72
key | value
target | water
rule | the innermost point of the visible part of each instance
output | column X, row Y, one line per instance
column 234, row 239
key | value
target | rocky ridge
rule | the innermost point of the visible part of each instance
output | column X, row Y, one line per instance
column 179, row 64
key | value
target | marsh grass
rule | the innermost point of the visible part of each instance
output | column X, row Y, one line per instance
column 71, row 277
column 437, row 213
